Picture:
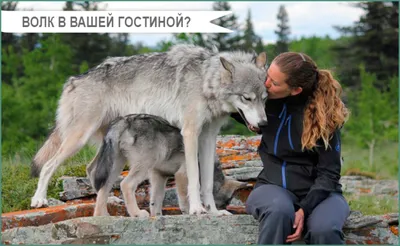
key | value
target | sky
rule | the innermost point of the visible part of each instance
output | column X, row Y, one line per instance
column 305, row 18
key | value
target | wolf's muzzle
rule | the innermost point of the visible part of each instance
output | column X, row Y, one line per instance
column 263, row 123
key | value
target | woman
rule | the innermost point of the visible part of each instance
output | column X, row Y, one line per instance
column 298, row 191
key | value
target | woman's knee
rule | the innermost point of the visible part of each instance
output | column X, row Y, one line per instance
column 329, row 216
column 324, row 234
column 276, row 208
column 327, row 227
column 269, row 198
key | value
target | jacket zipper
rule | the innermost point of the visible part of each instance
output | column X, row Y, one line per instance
column 288, row 121
column 283, row 116
column 284, row 174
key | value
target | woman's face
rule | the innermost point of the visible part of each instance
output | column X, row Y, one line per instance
column 276, row 85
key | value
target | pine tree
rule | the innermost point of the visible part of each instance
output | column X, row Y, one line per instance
column 8, row 38
column 9, row 45
column 283, row 31
column 24, row 41
column 373, row 40
column 259, row 46
column 36, row 94
column 190, row 38
column 87, row 47
column 224, row 41
column 251, row 41
column 372, row 121
column 119, row 45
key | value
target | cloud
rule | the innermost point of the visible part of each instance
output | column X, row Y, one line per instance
column 305, row 18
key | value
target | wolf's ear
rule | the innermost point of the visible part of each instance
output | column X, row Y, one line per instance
column 261, row 60
column 227, row 65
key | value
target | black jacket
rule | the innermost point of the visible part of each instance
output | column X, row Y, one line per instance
column 311, row 174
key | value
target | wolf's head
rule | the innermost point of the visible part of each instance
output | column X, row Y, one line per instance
column 243, row 87
column 224, row 187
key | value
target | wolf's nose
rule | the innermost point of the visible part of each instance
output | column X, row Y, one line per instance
column 263, row 123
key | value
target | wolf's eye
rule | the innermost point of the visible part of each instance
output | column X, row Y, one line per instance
column 244, row 98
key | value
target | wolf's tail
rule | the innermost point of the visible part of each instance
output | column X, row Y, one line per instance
column 109, row 154
column 103, row 164
column 46, row 152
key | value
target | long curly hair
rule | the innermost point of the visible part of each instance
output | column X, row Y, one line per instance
column 325, row 111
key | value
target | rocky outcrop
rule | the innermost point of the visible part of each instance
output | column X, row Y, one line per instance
column 70, row 221
column 183, row 229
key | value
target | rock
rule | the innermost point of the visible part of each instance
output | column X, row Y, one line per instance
column 28, row 235
column 243, row 173
column 68, row 223
column 171, row 198
column 115, row 200
column 358, row 185
column 379, row 229
column 76, row 187
column 184, row 229
column 54, row 202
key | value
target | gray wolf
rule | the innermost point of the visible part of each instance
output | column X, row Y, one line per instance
column 193, row 88
column 154, row 150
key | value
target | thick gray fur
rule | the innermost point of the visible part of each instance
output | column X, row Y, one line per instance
column 153, row 149
column 192, row 88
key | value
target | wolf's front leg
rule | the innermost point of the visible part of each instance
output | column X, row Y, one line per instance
column 157, row 192
column 181, row 182
column 190, row 140
column 207, row 151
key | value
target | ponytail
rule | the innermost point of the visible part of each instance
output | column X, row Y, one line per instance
column 325, row 111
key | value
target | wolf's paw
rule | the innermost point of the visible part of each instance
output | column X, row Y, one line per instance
column 37, row 202
column 221, row 212
column 115, row 200
column 155, row 212
column 197, row 210
column 100, row 213
column 142, row 214
column 184, row 209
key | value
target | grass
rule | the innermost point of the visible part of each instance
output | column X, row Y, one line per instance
column 385, row 165
column 372, row 205
column 18, row 186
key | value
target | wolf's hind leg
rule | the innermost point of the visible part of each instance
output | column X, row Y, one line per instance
column 103, row 194
column 73, row 142
column 157, row 192
column 128, row 187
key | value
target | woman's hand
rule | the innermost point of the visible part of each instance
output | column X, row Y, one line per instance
column 299, row 225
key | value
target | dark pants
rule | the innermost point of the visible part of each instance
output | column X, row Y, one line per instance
column 273, row 207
